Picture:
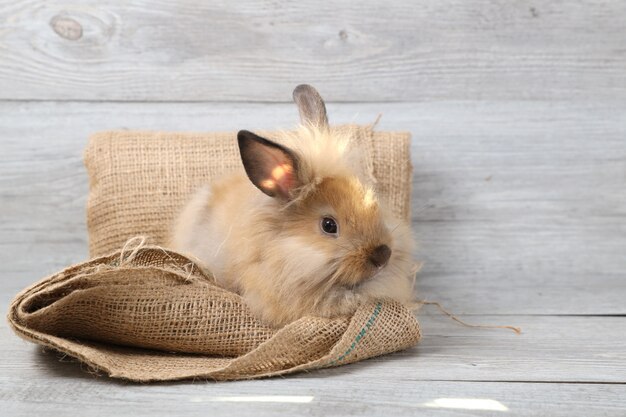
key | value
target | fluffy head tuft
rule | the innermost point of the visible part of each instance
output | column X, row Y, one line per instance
column 324, row 153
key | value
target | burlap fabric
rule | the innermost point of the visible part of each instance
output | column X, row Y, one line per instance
column 153, row 315
column 140, row 180
column 150, row 314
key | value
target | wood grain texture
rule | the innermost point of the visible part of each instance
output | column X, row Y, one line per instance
column 573, row 349
column 352, row 51
column 517, row 111
column 347, row 398
column 519, row 208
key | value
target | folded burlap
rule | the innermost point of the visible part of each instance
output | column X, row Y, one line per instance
column 150, row 314
column 138, row 181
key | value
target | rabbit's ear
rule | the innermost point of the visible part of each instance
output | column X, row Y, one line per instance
column 311, row 106
column 272, row 168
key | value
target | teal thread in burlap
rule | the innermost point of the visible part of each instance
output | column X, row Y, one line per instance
column 359, row 336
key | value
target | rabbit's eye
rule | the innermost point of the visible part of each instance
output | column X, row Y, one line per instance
column 329, row 226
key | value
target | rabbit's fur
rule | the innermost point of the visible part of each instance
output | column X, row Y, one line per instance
column 260, row 233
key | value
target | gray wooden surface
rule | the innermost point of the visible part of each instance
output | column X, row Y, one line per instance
column 364, row 50
column 518, row 116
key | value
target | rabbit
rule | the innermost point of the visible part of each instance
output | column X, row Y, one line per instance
column 302, row 231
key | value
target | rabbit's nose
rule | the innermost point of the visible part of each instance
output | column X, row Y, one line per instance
column 380, row 256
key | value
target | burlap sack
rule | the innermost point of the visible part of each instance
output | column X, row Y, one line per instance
column 125, row 314
column 140, row 180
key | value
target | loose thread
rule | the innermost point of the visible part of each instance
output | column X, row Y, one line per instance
column 138, row 243
column 373, row 125
column 517, row 330
column 189, row 269
column 136, row 247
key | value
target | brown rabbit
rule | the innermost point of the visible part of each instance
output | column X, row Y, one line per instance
column 303, row 233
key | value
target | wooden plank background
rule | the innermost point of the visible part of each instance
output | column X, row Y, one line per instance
column 518, row 117
column 352, row 50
